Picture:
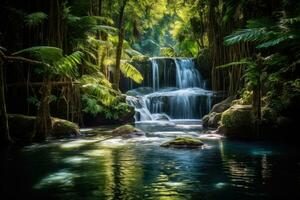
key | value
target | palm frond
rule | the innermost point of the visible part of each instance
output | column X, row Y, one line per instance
column 275, row 41
column 247, row 35
column 131, row 72
column 238, row 63
column 45, row 54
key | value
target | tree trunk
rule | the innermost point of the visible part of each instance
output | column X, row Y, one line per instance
column 256, row 102
column 5, row 137
column 43, row 117
column 121, row 35
column 257, row 109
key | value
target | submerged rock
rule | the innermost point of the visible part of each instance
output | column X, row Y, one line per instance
column 63, row 128
column 184, row 142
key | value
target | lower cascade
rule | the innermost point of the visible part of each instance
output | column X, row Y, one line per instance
column 173, row 89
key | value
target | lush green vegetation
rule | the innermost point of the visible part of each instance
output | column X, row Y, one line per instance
column 66, row 58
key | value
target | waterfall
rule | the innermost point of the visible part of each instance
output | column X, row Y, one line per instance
column 155, row 75
column 176, row 90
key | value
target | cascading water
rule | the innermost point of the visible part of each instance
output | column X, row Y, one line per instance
column 174, row 90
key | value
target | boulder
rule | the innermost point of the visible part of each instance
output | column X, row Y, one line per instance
column 237, row 121
column 184, row 142
column 211, row 120
column 63, row 128
column 223, row 105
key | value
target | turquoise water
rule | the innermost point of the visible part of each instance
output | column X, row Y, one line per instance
column 137, row 168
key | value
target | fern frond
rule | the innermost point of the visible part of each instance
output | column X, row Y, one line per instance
column 67, row 65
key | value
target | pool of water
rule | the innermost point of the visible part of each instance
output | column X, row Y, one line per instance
column 138, row 168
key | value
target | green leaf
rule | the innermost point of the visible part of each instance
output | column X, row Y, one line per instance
column 130, row 71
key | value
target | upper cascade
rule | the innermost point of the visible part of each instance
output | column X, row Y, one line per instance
column 172, row 89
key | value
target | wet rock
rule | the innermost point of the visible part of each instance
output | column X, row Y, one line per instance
column 223, row 105
column 126, row 129
column 183, row 142
column 211, row 120
column 63, row 128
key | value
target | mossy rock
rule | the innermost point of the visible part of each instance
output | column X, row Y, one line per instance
column 223, row 105
column 183, row 142
column 22, row 128
column 211, row 120
column 238, row 121
column 63, row 128
column 125, row 129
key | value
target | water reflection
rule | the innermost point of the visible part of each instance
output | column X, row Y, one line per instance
column 137, row 168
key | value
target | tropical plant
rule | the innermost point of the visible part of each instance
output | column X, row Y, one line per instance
column 52, row 63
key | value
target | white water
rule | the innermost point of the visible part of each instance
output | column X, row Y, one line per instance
column 185, row 99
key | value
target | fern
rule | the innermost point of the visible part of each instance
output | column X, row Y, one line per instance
column 130, row 71
column 67, row 65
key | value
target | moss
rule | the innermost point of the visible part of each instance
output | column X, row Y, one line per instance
column 237, row 116
column 246, row 98
column 183, row 142
column 125, row 129
column 63, row 128
column 238, row 121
